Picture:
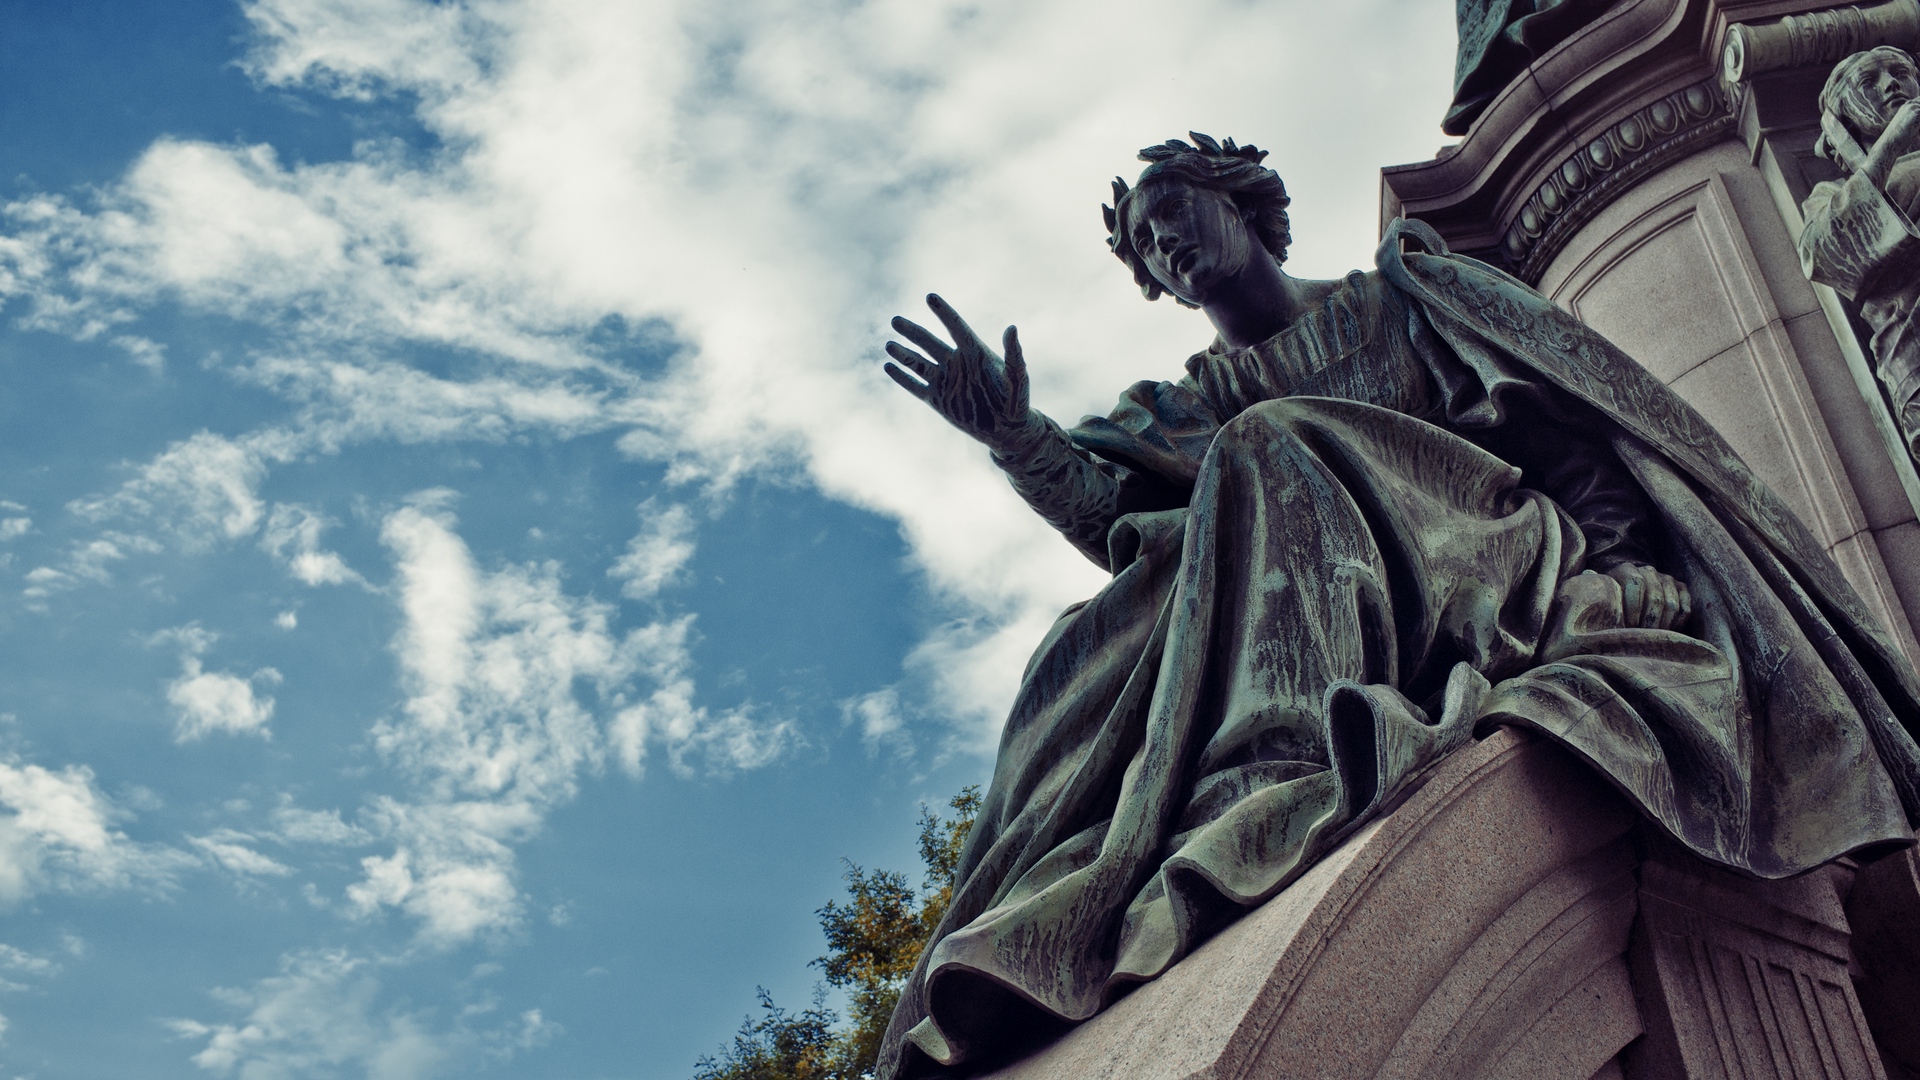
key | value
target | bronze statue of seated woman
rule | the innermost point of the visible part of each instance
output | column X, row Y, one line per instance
column 1379, row 514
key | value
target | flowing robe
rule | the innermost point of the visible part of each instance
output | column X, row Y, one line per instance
column 1331, row 571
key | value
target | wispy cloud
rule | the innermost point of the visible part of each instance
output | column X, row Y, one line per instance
column 57, row 832
column 296, row 825
column 233, row 851
column 657, row 553
column 323, row 1013
column 201, row 490
column 292, row 534
column 496, row 731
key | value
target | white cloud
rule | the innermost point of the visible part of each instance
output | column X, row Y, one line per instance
column 495, row 729
column 323, row 1015
column 57, row 833
column 292, row 535
column 878, row 714
column 201, row 490
column 206, row 702
column 357, row 46
column 293, row 825
column 229, row 849
column 87, row 560
column 758, row 216
column 453, row 867
column 20, row 962
column 14, row 527
column 16, row 963
column 657, row 553
column 694, row 736
column 146, row 352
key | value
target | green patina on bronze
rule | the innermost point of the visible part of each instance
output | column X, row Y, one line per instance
column 1378, row 516
column 1498, row 39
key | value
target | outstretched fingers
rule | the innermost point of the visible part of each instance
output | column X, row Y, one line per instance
column 912, row 361
column 940, row 351
column 963, row 335
column 1016, row 370
column 907, row 382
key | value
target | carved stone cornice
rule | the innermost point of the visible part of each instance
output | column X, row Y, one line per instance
column 1588, row 179
column 1577, row 94
column 1637, row 89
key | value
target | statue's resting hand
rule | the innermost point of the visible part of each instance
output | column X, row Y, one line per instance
column 966, row 382
column 1650, row 599
column 1901, row 137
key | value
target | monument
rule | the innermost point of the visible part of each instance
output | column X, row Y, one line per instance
column 1473, row 696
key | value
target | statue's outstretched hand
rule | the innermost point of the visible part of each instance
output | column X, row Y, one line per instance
column 976, row 390
column 1650, row 599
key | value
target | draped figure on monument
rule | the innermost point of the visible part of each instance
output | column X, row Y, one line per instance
column 1860, row 236
column 1379, row 515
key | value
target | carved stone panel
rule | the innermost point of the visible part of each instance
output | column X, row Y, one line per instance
column 1745, row 980
column 1692, row 274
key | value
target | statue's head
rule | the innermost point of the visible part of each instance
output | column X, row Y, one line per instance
column 1863, row 93
column 1222, row 188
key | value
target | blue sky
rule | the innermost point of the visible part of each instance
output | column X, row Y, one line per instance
column 464, row 582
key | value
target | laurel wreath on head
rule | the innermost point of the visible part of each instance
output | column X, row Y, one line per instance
column 1173, row 148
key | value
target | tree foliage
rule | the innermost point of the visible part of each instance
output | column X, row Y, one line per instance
column 874, row 938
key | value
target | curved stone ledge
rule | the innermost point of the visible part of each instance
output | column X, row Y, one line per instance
column 1478, row 931
column 1640, row 52
column 1589, row 179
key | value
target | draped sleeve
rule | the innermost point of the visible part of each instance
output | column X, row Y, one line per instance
column 1142, row 456
column 1158, row 432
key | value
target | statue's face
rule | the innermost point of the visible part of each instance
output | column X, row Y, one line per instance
column 1190, row 238
column 1886, row 81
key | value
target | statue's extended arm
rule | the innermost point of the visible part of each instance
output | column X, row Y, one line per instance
column 986, row 397
column 1065, row 485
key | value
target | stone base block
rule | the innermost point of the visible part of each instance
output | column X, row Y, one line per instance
column 1478, row 930
column 1482, row 930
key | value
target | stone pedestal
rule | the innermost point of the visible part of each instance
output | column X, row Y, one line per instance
column 1479, row 930
column 1507, row 921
